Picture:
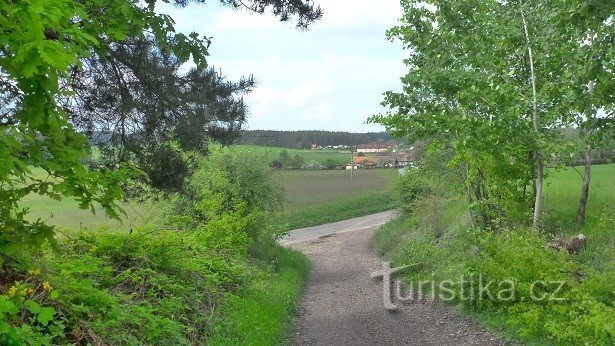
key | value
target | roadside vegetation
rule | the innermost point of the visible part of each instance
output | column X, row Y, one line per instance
column 491, row 200
column 182, row 268
column 190, row 277
column 435, row 230
column 195, row 247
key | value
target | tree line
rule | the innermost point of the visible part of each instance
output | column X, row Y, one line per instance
column 304, row 139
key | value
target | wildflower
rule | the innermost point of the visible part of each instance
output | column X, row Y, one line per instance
column 13, row 290
column 47, row 286
column 28, row 291
column 34, row 272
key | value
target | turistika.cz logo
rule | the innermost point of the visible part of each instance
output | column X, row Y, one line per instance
column 467, row 288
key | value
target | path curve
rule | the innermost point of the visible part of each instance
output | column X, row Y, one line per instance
column 342, row 305
column 358, row 223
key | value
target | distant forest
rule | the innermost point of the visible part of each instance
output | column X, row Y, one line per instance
column 304, row 139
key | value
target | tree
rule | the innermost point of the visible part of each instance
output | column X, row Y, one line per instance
column 588, row 32
column 43, row 44
column 297, row 161
column 140, row 101
column 285, row 159
column 479, row 83
column 330, row 164
column 535, row 124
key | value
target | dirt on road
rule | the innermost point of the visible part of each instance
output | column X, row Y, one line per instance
column 343, row 305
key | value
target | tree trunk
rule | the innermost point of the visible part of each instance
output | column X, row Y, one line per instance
column 588, row 161
column 585, row 188
column 537, row 156
column 465, row 174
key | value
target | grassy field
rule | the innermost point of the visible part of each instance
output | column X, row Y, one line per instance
column 273, row 153
column 65, row 213
column 317, row 197
column 305, row 189
column 562, row 195
column 312, row 197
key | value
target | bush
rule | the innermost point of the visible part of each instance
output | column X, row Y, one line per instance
column 450, row 250
column 162, row 286
column 312, row 165
column 227, row 182
column 575, row 315
column 409, row 187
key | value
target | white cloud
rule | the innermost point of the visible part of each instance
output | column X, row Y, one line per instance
column 329, row 77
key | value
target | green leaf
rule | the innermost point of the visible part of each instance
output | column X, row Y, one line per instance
column 32, row 306
column 6, row 306
column 46, row 315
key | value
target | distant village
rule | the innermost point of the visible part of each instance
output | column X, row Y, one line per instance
column 378, row 154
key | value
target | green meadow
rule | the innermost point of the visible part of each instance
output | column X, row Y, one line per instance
column 312, row 197
column 273, row 153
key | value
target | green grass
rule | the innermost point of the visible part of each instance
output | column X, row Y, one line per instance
column 273, row 153
column 562, row 195
column 436, row 233
column 261, row 313
column 318, row 197
column 66, row 213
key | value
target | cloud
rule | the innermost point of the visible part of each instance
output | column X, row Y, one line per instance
column 330, row 77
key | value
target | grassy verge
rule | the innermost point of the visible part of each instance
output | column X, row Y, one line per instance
column 208, row 272
column 261, row 313
column 436, row 233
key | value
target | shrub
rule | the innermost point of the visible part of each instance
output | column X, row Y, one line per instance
column 312, row 165
column 159, row 286
column 435, row 232
column 227, row 182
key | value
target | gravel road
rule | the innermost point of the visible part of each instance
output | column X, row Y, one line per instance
column 342, row 305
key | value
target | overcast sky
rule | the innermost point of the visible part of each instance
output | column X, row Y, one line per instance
column 328, row 78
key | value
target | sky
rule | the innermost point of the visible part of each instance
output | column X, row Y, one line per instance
column 330, row 77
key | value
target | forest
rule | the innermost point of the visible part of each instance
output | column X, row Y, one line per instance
column 304, row 139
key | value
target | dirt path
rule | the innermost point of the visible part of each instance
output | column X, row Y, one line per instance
column 343, row 305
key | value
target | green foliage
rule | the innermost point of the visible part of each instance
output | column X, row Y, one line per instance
column 159, row 286
column 229, row 182
column 261, row 313
column 435, row 231
column 331, row 164
column 297, row 161
column 42, row 40
column 46, row 47
column 409, row 187
column 469, row 87
column 27, row 309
